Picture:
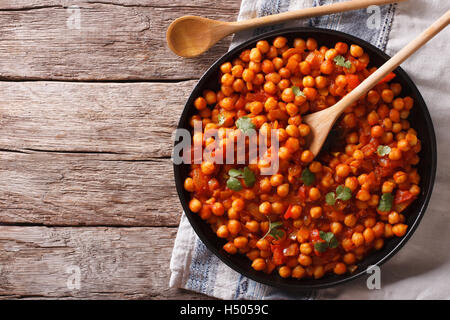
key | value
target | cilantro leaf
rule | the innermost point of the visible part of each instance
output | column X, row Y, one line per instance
column 340, row 61
column 274, row 230
column 221, row 119
column 249, row 177
column 383, row 150
column 298, row 92
column 343, row 193
column 334, row 243
column 330, row 241
column 330, row 198
column 234, row 173
column 234, row 184
column 308, row 177
column 245, row 124
column 385, row 204
column 321, row 246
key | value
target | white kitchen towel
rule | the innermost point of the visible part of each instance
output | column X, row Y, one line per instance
column 420, row 269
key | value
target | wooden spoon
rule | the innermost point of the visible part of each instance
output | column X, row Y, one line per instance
column 321, row 122
column 190, row 36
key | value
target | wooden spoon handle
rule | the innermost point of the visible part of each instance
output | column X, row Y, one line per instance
column 392, row 63
column 308, row 12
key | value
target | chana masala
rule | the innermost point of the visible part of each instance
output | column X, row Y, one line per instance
column 315, row 215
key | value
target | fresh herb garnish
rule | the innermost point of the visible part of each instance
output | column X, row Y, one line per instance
column 385, row 204
column 383, row 150
column 221, row 119
column 330, row 241
column 343, row 193
column 233, row 182
column 321, row 246
column 245, row 124
column 340, row 61
column 298, row 92
column 249, row 177
column 308, row 177
column 274, row 230
column 330, row 198
column 234, row 173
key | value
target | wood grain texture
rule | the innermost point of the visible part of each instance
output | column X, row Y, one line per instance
column 130, row 120
column 116, row 40
column 114, row 263
column 89, row 153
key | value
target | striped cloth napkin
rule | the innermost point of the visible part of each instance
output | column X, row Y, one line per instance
column 420, row 270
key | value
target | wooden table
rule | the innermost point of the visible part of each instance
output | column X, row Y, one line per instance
column 87, row 109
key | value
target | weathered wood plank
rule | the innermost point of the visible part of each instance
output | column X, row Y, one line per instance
column 89, row 153
column 116, row 40
column 71, row 189
column 114, row 263
column 122, row 118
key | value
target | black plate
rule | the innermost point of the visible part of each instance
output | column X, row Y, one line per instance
column 419, row 119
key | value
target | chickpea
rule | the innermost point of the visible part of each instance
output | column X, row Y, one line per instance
column 283, row 190
column 336, row 227
column 298, row 272
column 240, row 242
column 265, row 208
column 319, row 272
column 304, row 260
column 265, row 186
column 376, row 131
column 342, row 170
column 399, row 229
column 189, row 185
column 351, row 183
column 284, row 272
column 287, row 95
column 315, row 212
column 315, row 167
column 259, row 264
column 400, row 177
column 278, row 207
column 284, row 153
column 314, row 194
column 252, row 226
column 255, row 55
column 222, row 232
column 263, row 244
column 226, row 67
column 393, row 217
column 306, row 248
column 292, row 130
column 350, row 220
column 356, row 51
column 387, row 187
column 378, row 244
column 195, row 205
column 296, row 211
column 357, row 239
column 234, row 226
column 307, row 156
column 279, row 42
column 395, row 154
column 230, row 248
column 363, row 195
column 304, row 130
column 218, row 209
column 292, row 144
column 340, row 268
column 387, row 95
column 311, row 44
column 368, row 235
column 398, row 104
column 349, row 258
